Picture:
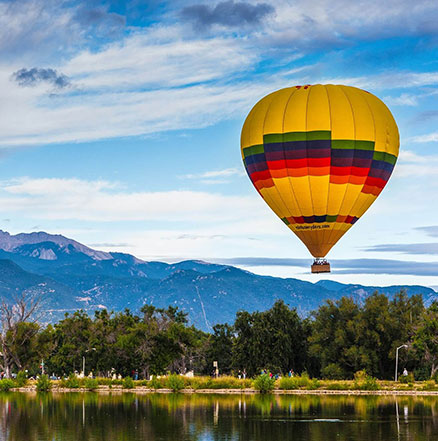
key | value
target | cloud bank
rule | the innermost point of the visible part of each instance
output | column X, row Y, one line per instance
column 342, row 266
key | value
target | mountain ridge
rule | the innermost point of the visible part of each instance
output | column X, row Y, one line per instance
column 70, row 275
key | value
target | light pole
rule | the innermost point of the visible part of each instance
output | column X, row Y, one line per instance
column 83, row 359
column 396, row 359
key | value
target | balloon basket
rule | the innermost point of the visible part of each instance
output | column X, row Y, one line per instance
column 320, row 266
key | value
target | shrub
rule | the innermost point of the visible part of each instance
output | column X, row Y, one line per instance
column 117, row 382
column 370, row 384
column 429, row 385
column 6, row 384
column 422, row 373
column 175, row 382
column 313, row 384
column 332, row 372
column 264, row 383
column 157, row 383
column 303, row 380
column 43, row 384
column 72, row 382
column 288, row 383
column 104, row 381
column 21, row 379
column 199, row 383
column 128, row 383
column 406, row 379
column 227, row 383
column 363, row 381
column 337, row 386
column 91, row 383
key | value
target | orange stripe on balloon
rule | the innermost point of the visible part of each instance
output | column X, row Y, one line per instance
column 263, row 184
column 279, row 173
column 319, row 171
column 371, row 189
column 358, row 180
column 297, row 172
column 334, row 179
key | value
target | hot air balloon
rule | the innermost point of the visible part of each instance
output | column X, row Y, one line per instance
column 319, row 155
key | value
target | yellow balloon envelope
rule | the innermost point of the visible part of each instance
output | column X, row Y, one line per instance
column 319, row 156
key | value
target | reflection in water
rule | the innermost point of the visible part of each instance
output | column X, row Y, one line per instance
column 95, row 417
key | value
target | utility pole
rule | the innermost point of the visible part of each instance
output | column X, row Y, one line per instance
column 83, row 360
column 396, row 360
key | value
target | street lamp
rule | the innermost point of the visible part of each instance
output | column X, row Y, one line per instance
column 396, row 359
column 83, row 359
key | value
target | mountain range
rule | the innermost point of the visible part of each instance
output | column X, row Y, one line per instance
column 71, row 276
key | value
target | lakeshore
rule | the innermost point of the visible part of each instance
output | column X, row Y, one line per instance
column 246, row 391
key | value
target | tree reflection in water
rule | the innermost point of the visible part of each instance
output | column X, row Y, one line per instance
column 111, row 417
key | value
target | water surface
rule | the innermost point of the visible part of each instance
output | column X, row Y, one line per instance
column 177, row 417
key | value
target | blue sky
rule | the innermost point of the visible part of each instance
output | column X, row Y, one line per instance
column 120, row 125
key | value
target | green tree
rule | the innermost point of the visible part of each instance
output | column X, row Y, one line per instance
column 334, row 335
column 19, row 327
column 219, row 348
column 72, row 339
column 425, row 340
column 275, row 339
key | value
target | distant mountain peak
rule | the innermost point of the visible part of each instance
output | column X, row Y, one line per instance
column 9, row 242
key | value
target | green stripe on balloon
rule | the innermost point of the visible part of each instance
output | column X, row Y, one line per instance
column 347, row 144
column 253, row 150
column 314, row 135
column 386, row 157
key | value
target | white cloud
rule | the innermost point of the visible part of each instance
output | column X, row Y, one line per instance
column 412, row 164
column 212, row 175
column 390, row 80
column 430, row 137
column 32, row 117
column 66, row 199
column 404, row 99
column 147, row 60
column 321, row 24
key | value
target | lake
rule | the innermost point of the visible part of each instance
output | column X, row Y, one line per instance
column 177, row 417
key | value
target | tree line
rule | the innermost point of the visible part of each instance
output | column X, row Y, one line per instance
column 335, row 341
